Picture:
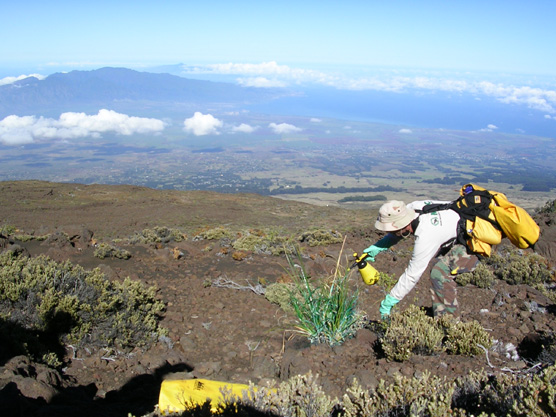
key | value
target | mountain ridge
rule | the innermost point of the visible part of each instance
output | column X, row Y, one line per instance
column 120, row 89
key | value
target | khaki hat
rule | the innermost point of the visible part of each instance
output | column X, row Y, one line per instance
column 394, row 215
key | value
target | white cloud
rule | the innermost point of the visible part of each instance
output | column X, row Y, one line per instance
column 268, row 74
column 11, row 80
column 405, row 131
column 315, row 120
column 244, row 128
column 202, row 124
column 261, row 82
column 279, row 73
column 284, row 128
column 15, row 130
column 489, row 128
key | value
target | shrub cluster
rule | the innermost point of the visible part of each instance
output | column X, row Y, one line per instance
column 518, row 267
column 61, row 301
column 549, row 207
column 476, row 394
column 268, row 242
column 413, row 332
column 158, row 235
column 105, row 250
column 321, row 237
column 481, row 277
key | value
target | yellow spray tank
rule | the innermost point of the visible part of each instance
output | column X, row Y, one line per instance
column 369, row 274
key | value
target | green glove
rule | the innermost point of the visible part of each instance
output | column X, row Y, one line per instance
column 383, row 244
column 372, row 251
column 387, row 305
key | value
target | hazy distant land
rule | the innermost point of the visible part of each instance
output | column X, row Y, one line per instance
column 324, row 162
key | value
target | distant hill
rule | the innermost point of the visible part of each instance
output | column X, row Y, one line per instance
column 118, row 89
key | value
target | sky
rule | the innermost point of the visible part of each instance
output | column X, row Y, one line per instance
column 503, row 49
column 488, row 36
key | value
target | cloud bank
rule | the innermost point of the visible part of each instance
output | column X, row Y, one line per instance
column 271, row 74
column 16, row 130
column 202, row 124
column 11, row 80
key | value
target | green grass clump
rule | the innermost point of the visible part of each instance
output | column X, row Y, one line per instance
column 325, row 312
column 104, row 250
column 65, row 304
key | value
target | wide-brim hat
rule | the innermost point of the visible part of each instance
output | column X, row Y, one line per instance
column 394, row 215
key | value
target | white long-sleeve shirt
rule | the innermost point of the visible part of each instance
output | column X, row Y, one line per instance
column 434, row 230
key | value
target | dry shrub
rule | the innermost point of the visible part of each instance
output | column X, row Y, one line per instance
column 516, row 266
column 105, row 250
column 159, row 234
column 411, row 332
column 67, row 303
column 321, row 237
column 481, row 277
column 464, row 338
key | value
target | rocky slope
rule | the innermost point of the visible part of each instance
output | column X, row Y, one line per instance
column 220, row 327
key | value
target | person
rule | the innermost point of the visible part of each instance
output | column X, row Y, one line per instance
column 435, row 238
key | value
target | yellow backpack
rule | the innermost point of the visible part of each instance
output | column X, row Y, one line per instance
column 488, row 216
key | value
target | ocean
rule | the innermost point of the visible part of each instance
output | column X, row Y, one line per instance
column 438, row 110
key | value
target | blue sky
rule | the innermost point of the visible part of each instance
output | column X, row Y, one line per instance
column 488, row 36
column 498, row 49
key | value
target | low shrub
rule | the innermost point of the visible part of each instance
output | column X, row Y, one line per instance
column 424, row 396
column 476, row 394
column 481, row 277
column 105, row 250
column 215, row 233
column 280, row 294
column 413, row 332
column 518, row 267
column 159, row 234
column 65, row 302
column 321, row 237
column 549, row 207
column 464, row 338
column 263, row 242
column 386, row 281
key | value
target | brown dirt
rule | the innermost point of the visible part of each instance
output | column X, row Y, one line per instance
column 218, row 333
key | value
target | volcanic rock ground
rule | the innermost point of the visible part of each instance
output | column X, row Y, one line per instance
column 220, row 333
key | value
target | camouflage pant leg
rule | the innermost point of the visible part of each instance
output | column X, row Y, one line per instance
column 444, row 288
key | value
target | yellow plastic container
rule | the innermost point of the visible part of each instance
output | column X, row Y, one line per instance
column 369, row 274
